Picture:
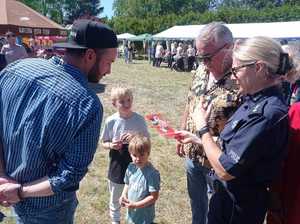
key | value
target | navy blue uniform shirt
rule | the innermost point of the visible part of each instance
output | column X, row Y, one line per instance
column 254, row 140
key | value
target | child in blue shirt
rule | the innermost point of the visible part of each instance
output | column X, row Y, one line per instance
column 142, row 183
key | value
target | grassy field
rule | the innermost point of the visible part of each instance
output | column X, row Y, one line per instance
column 155, row 90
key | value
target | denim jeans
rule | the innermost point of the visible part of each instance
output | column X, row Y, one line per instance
column 197, row 189
column 62, row 213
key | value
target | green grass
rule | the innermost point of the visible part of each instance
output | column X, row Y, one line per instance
column 155, row 90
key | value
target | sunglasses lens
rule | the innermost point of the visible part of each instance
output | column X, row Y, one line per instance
column 204, row 58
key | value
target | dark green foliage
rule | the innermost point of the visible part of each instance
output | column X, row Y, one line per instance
column 75, row 9
column 153, row 16
column 65, row 11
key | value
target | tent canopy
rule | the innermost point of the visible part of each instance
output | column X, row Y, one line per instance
column 125, row 36
column 23, row 20
column 141, row 37
column 280, row 30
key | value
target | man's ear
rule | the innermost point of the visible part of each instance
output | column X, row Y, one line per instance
column 90, row 57
column 261, row 67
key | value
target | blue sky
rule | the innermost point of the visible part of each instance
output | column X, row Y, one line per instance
column 107, row 4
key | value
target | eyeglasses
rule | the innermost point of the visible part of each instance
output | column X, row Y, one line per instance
column 208, row 57
column 8, row 36
column 235, row 70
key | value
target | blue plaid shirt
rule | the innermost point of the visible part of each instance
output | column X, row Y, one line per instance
column 49, row 126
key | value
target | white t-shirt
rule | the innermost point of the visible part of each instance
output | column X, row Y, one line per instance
column 179, row 52
column 159, row 51
column 191, row 52
column 115, row 126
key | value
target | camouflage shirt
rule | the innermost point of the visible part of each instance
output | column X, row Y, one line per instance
column 224, row 99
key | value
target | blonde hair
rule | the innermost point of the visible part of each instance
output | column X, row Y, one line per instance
column 139, row 144
column 120, row 92
column 294, row 52
column 263, row 49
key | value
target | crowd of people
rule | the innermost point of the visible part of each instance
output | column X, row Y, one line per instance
column 179, row 57
column 239, row 130
column 11, row 51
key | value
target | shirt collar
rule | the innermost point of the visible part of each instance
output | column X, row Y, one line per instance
column 74, row 71
column 273, row 90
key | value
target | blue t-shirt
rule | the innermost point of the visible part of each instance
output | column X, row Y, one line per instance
column 141, row 182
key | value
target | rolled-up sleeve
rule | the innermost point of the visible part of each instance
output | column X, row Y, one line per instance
column 74, row 164
column 245, row 147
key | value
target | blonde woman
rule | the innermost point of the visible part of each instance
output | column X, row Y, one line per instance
column 251, row 147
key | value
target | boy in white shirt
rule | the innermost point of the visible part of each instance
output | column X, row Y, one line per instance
column 118, row 130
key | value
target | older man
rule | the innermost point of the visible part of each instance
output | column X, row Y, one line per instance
column 52, row 123
column 212, row 82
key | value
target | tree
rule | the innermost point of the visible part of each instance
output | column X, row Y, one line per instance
column 152, row 8
column 250, row 4
column 65, row 11
column 49, row 8
column 75, row 9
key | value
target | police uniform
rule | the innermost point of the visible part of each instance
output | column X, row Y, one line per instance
column 224, row 99
column 253, row 144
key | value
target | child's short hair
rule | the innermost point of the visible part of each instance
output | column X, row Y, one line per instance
column 139, row 144
column 120, row 92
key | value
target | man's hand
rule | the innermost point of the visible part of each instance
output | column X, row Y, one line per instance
column 9, row 193
column 4, row 179
column 179, row 149
column 201, row 113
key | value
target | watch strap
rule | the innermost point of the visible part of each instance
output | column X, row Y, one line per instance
column 202, row 131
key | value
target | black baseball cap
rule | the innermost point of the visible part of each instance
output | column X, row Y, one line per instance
column 89, row 34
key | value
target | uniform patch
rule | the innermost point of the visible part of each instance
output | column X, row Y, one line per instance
column 235, row 157
column 234, row 124
column 256, row 108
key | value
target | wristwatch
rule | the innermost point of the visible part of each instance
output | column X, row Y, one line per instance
column 202, row 131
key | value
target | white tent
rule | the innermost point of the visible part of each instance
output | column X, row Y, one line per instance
column 125, row 36
column 286, row 30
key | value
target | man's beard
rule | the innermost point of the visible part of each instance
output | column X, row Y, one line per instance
column 93, row 73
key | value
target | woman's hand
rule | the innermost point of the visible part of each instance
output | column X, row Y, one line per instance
column 201, row 113
column 179, row 148
column 187, row 137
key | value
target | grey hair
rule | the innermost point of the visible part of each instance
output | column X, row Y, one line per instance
column 216, row 32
